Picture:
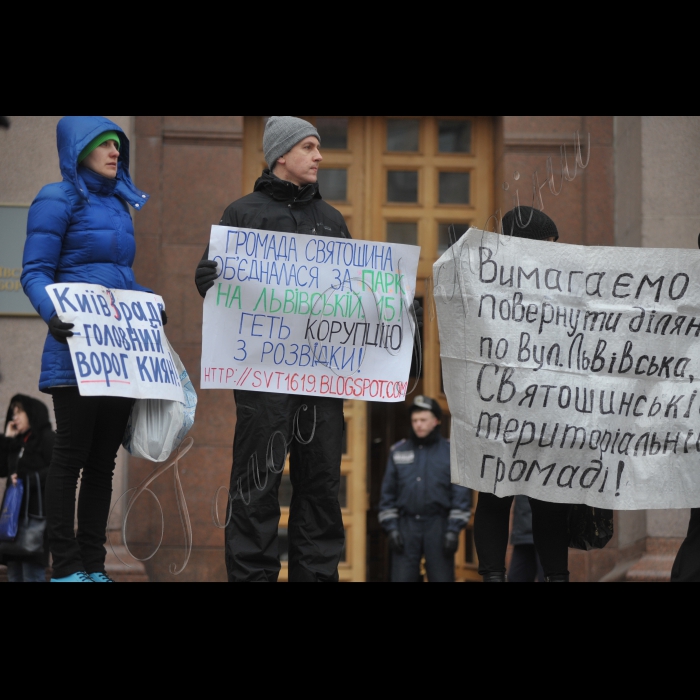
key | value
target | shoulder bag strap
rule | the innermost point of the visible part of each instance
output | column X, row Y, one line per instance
column 38, row 491
column 26, row 510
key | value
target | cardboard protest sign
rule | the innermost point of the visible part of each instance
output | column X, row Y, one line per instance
column 302, row 314
column 118, row 345
column 572, row 372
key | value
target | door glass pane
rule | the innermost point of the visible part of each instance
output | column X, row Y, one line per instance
column 454, row 136
column 283, row 543
column 333, row 132
column 454, row 188
column 402, row 134
column 402, row 232
column 285, row 493
column 333, row 183
column 448, row 234
column 343, row 491
column 402, row 186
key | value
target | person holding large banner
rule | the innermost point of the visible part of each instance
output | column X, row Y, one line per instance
column 549, row 520
column 80, row 230
column 271, row 422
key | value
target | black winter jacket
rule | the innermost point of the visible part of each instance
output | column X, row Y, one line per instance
column 29, row 454
column 278, row 205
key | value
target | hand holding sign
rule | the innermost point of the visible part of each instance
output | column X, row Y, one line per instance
column 59, row 330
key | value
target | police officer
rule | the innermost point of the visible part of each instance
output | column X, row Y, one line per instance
column 420, row 509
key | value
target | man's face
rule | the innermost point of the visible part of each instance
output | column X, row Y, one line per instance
column 423, row 423
column 103, row 160
column 300, row 165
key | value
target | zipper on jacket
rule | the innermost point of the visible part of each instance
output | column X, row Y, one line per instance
column 296, row 223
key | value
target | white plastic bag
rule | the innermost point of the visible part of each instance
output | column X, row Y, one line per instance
column 156, row 427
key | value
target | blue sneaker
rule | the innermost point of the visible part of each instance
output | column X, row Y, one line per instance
column 77, row 577
column 99, row 577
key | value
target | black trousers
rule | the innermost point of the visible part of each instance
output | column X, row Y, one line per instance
column 525, row 565
column 549, row 532
column 89, row 430
column 310, row 429
column 422, row 537
column 686, row 567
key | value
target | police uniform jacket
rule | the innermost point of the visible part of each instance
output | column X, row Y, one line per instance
column 417, row 484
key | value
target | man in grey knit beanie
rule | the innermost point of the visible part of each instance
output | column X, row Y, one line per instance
column 286, row 200
column 269, row 425
column 282, row 134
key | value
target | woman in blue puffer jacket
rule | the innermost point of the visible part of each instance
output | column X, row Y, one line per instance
column 80, row 230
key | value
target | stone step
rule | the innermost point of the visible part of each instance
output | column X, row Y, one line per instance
column 651, row 567
column 130, row 572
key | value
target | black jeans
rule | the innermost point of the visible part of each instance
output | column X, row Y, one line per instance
column 89, row 430
column 525, row 565
column 686, row 567
column 268, row 426
column 549, row 531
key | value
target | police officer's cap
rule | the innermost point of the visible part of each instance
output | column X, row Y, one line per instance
column 425, row 403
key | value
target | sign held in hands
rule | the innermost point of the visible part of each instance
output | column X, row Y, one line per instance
column 118, row 346
column 305, row 314
column 572, row 372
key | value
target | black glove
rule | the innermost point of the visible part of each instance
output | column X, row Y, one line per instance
column 59, row 330
column 450, row 544
column 163, row 317
column 396, row 541
column 418, row 309
column 205, row 275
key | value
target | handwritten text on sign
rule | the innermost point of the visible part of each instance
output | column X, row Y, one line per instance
column 299, row 314
column 118, row 346
column 572, row 371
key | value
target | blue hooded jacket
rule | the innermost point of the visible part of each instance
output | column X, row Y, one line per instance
column 79, row 230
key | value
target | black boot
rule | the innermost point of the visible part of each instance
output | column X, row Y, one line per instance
column 497, row 577
column 557, row 578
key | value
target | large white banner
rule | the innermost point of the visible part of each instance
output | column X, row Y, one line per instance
column 118, row 345
column 301, row 314
column 570, row 370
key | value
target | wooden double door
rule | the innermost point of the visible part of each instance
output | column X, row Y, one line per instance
column 415, row 180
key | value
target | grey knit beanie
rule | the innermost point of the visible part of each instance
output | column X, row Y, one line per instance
column 282, row 134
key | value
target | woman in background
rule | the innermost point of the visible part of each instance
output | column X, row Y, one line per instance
column 25, row 453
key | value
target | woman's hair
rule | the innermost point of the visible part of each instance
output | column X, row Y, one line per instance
column 16, row 405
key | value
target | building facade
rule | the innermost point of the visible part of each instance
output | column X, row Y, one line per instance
column 419, row 180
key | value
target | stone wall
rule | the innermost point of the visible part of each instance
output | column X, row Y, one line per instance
column 192, row 168
column 656, row 206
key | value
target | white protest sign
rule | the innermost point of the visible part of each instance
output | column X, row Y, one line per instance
column 572, row 372
column 118, row 345
column 302, row 314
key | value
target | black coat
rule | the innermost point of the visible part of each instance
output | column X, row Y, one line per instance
column 29, row 454
column 278, row 205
